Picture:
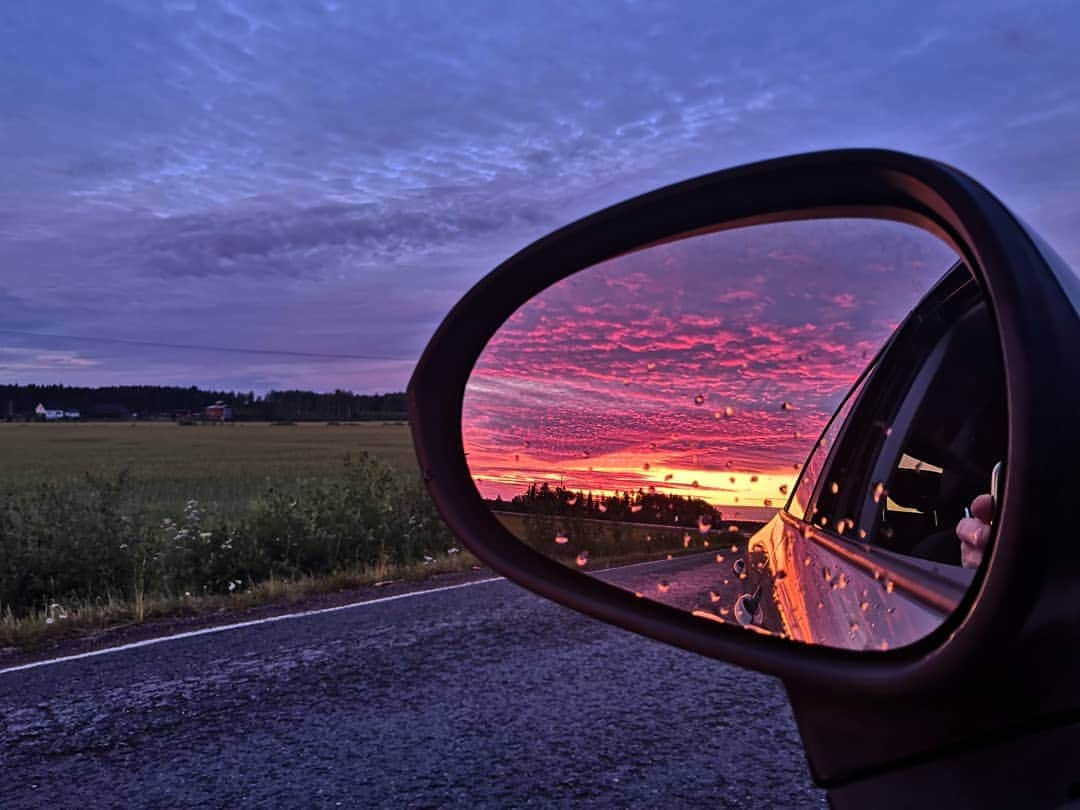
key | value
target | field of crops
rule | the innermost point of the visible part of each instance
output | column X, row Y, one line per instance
column 93, row 513
column 221, row 466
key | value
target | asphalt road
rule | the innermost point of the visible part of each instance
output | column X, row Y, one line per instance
column 476, row 696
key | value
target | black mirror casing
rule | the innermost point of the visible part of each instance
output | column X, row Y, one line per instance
column 1005, row 663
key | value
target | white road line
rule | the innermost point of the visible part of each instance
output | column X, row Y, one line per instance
column 238, row 625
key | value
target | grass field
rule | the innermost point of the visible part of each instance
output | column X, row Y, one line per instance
column 221, row 466
column 137, row 519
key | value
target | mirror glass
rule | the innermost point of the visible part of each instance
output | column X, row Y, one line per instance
column 712, row 423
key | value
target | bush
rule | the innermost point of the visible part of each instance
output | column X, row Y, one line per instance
column 87, row 541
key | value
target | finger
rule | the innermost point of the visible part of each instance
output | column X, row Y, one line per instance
column 973, row 532
column 970, row 557
column 983, row 508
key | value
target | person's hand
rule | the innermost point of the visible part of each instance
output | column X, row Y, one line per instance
column 974, row 531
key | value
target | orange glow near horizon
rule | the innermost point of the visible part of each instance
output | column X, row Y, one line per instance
column 706, row 367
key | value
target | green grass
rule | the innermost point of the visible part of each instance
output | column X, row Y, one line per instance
column 122, row 522
column 222, row 466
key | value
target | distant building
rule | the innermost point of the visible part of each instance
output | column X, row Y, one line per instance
column 54, row 414
column 218, row 412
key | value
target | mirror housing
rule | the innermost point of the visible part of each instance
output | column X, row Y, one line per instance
column 1019, row 604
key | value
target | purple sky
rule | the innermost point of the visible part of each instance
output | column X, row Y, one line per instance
column 329, row 178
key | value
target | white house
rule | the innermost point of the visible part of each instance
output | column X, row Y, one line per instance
column 52, row 415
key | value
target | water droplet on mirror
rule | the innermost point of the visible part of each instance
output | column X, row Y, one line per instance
column 583, row 559
column 728, row 412
column 854, row 628
column 891, row 610
column 670, row 557
column 528, row 445
column 766, row 502
column 738, row 566
column 724, row 611
column 783, row 489
column 602, row 507
column 877, row 574
column 663, row 586
column 694, row 484
column 842, row 581
column 668, row 477
column 719, row 558
column 645, row 466
column 517, row 457
column 733, row 529
column 650, row 366
column 834, row 487
column 571, row 500
column 787, row 406
column 862, row 534
column 639, row 594
column 686, row 541
column 807, row 561
column 704, row 525
column 753, row 479
column 699, row 400
column 562, row 539
column 637, row 507
column 864, row 606
column 743, row 575
column 889, row 586
column 879, row 491
column 796, row 435
column 825, row 572
column 648, row 538
column 714, row 597
column 883, row 646
column 820, row 605
column 705, row 543
column 732, row 479
column 652, row 445
column 824, row 520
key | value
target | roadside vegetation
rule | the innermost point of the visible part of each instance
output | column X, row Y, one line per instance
column 119, row 543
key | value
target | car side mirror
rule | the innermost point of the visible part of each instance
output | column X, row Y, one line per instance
column 1004, row 283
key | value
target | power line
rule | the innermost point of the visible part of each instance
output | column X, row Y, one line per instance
column 191, row 347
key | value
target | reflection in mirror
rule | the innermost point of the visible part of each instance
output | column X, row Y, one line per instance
column 647, row 420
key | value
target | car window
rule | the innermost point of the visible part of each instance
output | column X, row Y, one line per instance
column 922, row 442
column 943, row 458
column 810, row 476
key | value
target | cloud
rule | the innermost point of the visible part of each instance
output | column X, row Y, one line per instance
column 224, row 168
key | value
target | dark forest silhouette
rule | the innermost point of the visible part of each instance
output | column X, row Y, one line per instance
column 626, row 507
column 151, row 401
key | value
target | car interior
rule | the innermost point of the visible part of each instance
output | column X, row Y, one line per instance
column 957, row 435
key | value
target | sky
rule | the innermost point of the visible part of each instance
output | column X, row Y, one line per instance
column 328, row 178
column 706, row 367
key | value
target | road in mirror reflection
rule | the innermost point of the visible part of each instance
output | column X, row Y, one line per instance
column 659, row 408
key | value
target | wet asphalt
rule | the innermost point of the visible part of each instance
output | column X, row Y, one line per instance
column 479, row 696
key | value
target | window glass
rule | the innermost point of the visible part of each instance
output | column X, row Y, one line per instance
column 803, row 494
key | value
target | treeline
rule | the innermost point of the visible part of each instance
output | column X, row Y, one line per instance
column 149, row 401
column 626, row 507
